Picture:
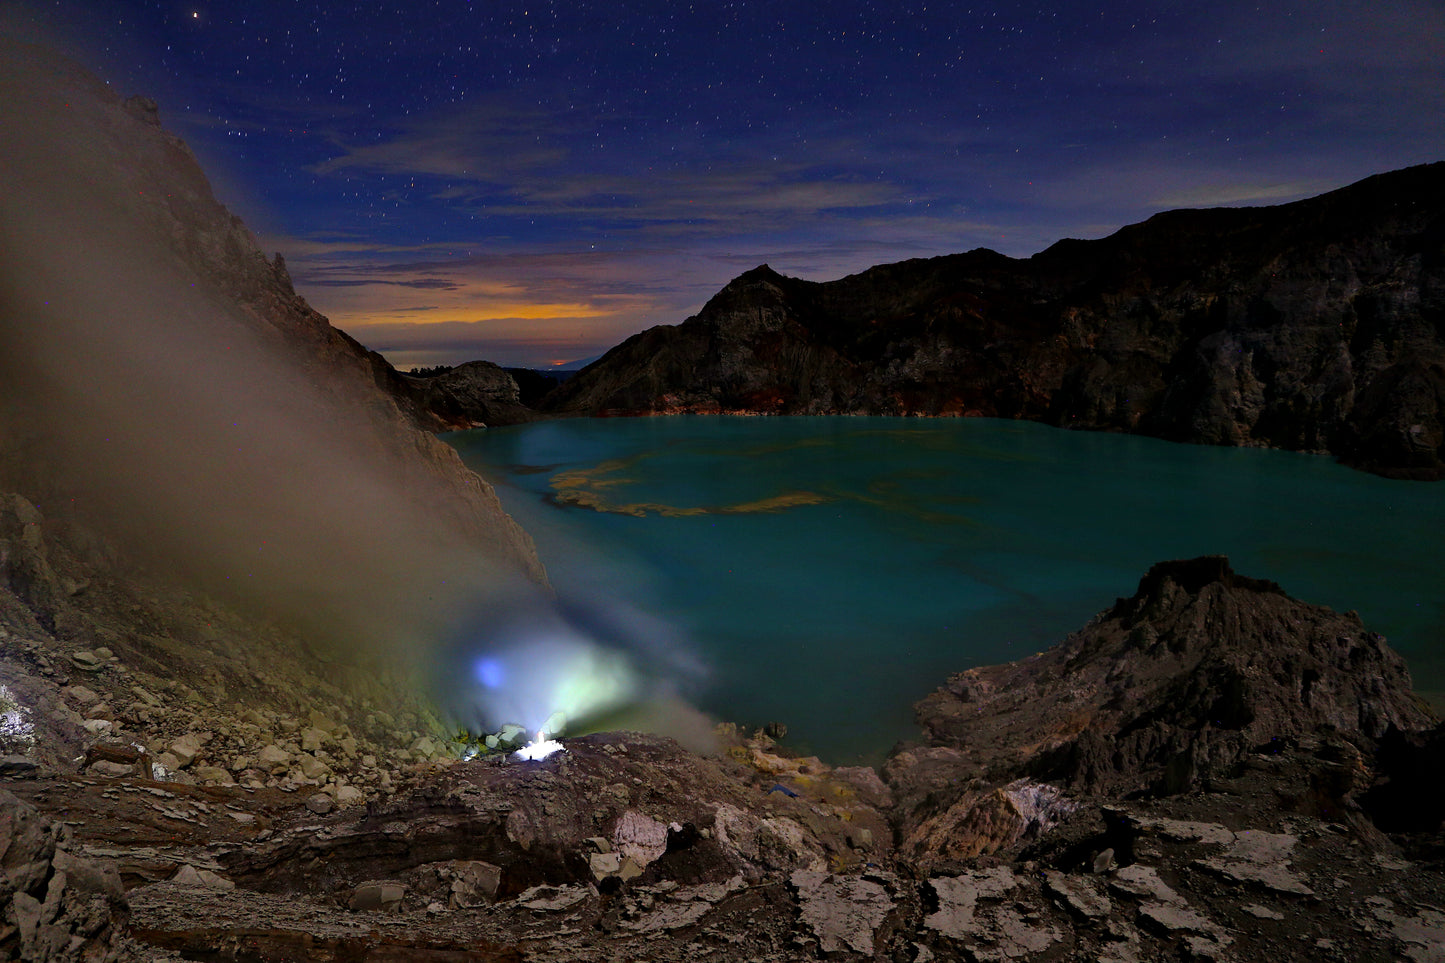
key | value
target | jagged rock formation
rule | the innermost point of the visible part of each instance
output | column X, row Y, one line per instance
column 618, row 807
column 1314, row 326
column 477, row 394
column 58, row 907
column 53, row 905
column 1200, row 670
column 1196, row 670
column 1292, row 834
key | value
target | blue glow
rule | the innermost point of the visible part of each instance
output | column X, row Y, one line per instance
column 491, row 673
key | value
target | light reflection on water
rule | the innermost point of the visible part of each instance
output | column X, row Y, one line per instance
column 832, row 571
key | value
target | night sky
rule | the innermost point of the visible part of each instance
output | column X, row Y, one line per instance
column 530, row 182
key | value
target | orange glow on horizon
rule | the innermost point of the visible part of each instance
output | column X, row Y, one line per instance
column 518, row 311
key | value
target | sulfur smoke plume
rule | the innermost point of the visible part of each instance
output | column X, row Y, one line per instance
column 162, row 385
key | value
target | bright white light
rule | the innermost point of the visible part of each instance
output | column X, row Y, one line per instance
column 539, row 748
column 544, row 678
column 17, row 732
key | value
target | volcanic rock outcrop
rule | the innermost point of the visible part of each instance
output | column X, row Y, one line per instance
column 133, row 304
column 1199, row 668
column 1291, row 831
column 477, row 394
column 1314, row 326
column 53, row 905
column 1197, row 672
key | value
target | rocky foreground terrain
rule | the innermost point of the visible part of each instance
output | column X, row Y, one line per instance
column 225, row 552
column 1208, row 770
column 1313, row 326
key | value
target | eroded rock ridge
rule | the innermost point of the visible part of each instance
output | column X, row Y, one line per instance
column 1314, row 326
column 1209, row 770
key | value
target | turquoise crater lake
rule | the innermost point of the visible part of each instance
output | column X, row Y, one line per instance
column 832, row 571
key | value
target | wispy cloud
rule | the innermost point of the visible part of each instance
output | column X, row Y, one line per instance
column 433, row 283
column 491, row 138
column 561, row 214
column 1231, row 195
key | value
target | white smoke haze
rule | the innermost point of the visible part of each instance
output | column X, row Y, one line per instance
column 139, row 395
column 159, row 407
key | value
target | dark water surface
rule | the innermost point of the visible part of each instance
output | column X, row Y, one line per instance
column 832, row 571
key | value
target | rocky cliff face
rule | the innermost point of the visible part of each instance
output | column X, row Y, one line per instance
column 477, row 394
column 1196, row 673
column 1196, row 670
column 1314, row 326
column 1208, row 770
column 128, row 289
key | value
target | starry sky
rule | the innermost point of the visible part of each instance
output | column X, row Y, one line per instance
column 531, row 182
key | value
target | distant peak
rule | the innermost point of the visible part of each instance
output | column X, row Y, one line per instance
column 761, row 272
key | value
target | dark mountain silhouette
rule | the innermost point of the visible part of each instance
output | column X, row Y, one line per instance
column 1314, row 326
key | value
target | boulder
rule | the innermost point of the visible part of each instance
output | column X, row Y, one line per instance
column 378, row 895
column 62, row 908
column 273, row 758
column 311, row 767
column 191, row 876
column 639, row 836
column 474, row 883
column 185, row 749
column 1168, row 694
column 213, row 776
column 79, row 694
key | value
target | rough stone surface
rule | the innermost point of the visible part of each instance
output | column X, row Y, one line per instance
column 1261, row 858
column 1194, row 671
column 843, row 912
column 978, row 911
column 1082, row 895
column 1143, row 881
column 474, row 883
column 640, row 837
column 472, row 395
column 380, row 895
column 493, row 858
column 54, row 906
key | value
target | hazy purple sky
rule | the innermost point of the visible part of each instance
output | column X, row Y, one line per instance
column 531, row 182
